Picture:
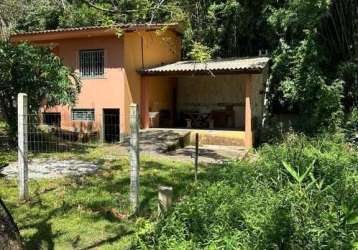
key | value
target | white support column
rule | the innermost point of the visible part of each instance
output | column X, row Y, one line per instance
column 22, row 123
column 134, row 158
column 248, row 112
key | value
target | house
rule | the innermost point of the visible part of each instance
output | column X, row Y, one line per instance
column 140, row 63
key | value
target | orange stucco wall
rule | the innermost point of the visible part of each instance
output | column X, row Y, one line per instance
column 146, row 49
column 121, row 84
column 161, row 92
column 96, row 93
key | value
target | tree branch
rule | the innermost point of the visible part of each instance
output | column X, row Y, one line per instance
column 155, row 10
column 93, row 5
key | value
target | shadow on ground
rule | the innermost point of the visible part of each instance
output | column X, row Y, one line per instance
column 70, row 212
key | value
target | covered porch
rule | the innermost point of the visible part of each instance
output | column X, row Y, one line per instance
column 221, row 100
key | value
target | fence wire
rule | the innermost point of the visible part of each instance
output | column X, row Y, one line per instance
column 47, row 134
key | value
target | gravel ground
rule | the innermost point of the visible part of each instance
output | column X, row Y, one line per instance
column 51, row 169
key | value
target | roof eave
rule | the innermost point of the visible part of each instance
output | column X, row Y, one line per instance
column 88, row 32
column 61, row 35
column 201, row 72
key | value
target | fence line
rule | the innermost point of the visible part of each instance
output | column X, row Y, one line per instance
column 46, row 134
column 22, row 130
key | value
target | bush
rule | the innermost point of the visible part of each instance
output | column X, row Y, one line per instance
column 299, row 85
column 301, row 194
column 351, row 127
column 37, row 72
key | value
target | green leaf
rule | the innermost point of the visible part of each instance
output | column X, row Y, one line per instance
column 355, row 245
column 314, row 181
column 308, row 170
column 352, row 220
column 290, row 169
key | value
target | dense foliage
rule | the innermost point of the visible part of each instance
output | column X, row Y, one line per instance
column 314, row 68
column 301, row 194
column 305, row 87
column 314, row 43
column 37, row 72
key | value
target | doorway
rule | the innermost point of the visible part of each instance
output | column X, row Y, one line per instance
column 52, row 119
column 111, row 125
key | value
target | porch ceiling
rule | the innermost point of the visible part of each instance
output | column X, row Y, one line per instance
column 253, row 65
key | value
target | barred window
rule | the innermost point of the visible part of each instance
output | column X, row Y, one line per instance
column 92, row 63
column 83, row 114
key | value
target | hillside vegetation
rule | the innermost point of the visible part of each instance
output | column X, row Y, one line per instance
column 313, row 43
column 300, row 194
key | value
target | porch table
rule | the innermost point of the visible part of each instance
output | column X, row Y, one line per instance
column 199, row 120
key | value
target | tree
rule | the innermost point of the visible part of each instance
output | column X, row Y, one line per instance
column 303, row 84
column 37, row 72
column 313, row 69
column 40, row 15
column 338, row 34
column 230, row 28
column 10, row 12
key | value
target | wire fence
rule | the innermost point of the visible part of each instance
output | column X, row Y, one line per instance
column 46, row 133
column 50, row 133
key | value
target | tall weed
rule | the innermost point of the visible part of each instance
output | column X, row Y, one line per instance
column 300, row 194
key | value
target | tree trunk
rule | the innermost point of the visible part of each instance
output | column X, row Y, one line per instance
column 9, row 233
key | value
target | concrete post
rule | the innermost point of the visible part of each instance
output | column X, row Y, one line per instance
column 102, row 129
column 165, row 197
column 22, row 119
column 196, row 159
column 145, row 118
column 134, row 158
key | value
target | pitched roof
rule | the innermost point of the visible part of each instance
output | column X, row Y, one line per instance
column 234, row 65
column 92, row 31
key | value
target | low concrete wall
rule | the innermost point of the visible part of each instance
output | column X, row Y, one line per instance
column 215, row 137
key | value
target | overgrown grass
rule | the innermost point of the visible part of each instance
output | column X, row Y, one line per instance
column 312, row 203
column 91, row 211
column 300, row 194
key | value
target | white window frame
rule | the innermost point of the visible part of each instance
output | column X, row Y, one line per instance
column 87, row 114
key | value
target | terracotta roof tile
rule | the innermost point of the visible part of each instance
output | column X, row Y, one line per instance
column 91, row 28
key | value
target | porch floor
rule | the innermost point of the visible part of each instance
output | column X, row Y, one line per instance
column 207, row 136
column 178, row 144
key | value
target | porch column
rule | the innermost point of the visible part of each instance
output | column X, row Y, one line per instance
column 248, row 112
column 144, row 107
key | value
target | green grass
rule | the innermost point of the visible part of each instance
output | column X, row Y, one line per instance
column 91, row 211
